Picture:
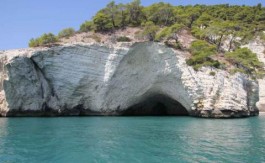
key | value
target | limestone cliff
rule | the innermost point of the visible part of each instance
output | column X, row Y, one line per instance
column 258, row 47
column 130, row 79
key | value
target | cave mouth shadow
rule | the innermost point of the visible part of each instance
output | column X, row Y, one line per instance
column 156, row 105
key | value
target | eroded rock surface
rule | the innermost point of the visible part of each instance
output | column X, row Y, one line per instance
column 258, row 47
column 136, row 79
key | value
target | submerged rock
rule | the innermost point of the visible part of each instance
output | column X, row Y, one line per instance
column 138, row 79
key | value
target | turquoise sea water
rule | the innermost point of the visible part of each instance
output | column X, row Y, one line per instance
column 132, row 139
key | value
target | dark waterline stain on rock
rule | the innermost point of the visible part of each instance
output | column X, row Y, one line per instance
column 157, row 105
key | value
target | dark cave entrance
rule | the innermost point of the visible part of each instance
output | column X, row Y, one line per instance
column 157, row 105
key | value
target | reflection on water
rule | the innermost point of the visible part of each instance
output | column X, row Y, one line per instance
column 132, row 139
column 3, row 134
column 3, row 127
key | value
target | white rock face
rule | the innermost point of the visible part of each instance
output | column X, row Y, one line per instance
column 128, row 79
column 258, row 47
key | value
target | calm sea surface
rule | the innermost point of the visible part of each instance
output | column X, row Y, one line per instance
column 132, row 139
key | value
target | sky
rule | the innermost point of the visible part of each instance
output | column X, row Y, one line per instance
column 21, row 20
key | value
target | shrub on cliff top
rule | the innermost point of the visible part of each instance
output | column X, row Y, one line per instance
column 68, row 32
column 86, row 26
column 44, row 40
column 150, row 30
column 102, row 22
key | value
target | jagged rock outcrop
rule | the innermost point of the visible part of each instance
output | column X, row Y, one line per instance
column 137, row 79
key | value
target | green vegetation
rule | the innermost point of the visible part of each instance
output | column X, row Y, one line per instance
column 170, row 32
column 102, row 22
column 44, row 40
column 201, row 55
column 160, row 13
column 212, row 73
column 174, row 45
column 150, row 30
column 66, row 33
column 246, row 62
column 123, row 39
column 86, row 26
column 205, row 21
column 211, row 25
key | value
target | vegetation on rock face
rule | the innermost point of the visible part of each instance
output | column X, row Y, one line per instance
column 170, row 32
column 201, row 55
column 66, row 33
column 102, row 22
column 123, row 39
column 212, row 73
column 44, row 40
column 219, row 31
column 86, row 26
column 160, row 13
column 246, row 62
column 150, row 30
column 211, row 25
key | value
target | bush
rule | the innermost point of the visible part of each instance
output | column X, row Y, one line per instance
column 174, row 45
column 201, row 55
column 34, row 42
column 44, row 40
column 163, row 33
column 198, row 32
column 201, row 47
column 212, row 73
column 86, row 26
column 102, row 22
column 68, row 32
column 245, row 61
column 169, row 32
column 150, row 30
column 123, row 39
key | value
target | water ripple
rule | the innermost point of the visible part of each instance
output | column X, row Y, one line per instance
column 132, row 139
